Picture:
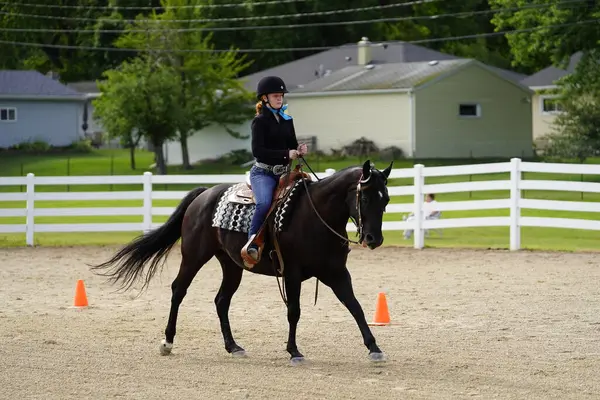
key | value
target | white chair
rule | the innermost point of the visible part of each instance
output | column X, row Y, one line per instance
column 433, row 216
column 408, row 232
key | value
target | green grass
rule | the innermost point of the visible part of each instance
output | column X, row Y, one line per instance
column 116, row 162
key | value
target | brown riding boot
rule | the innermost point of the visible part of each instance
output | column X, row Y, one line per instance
column 251, row 249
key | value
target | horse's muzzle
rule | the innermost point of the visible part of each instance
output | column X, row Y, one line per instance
column 372, row 241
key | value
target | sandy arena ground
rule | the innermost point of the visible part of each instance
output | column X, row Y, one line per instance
column 466, row 324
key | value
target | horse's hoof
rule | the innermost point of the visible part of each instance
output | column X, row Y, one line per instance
column 376, row 357
column 165, row 348
column 295, row 361
column 239, row 353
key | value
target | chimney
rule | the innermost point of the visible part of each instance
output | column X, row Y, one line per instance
column 364, row 51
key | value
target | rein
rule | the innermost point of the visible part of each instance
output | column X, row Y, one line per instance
column 277, row 251
column 358, row 224
column 359, row 189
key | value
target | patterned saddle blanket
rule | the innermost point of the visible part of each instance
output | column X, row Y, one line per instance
column 236, row 207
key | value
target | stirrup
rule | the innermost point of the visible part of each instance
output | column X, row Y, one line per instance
column 251, row 256
column 252, row 251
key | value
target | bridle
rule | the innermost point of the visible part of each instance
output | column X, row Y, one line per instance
column 360, row 188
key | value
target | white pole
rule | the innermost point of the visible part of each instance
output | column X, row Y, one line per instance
column 147, row 207
column 515, row 200
column 418, row 207
column 30, row 210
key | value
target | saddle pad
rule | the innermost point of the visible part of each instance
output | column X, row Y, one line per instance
column 242, row 192
column 233, row 215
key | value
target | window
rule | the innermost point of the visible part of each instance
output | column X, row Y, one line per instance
column 550, row 105
column 8, row 114
column 469, row 110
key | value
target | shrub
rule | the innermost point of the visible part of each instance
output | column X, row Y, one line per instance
column 236, row 157
column 391, row 153
column 81, row 146
column 35, row 146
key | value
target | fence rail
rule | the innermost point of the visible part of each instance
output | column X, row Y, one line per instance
column 514, row 203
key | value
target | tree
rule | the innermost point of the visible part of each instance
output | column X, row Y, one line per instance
column 557, row 29
column 95, row 23
column 117, row 126
column 209, row 92
column 577, row 127
column 53, row 31
column 141, row 94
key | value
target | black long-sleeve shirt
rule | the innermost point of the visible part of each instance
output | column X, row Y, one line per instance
column 272, row 140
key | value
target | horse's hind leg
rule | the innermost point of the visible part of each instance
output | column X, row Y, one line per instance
column 193, row 258
column 232, row 276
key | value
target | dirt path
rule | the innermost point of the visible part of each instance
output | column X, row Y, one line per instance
column 467, row 324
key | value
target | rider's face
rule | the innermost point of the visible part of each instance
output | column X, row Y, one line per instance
column 275, row 100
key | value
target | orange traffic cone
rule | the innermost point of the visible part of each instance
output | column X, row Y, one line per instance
column 80, row 296
column 382, row 315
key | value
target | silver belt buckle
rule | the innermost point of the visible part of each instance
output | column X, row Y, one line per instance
column 263, row 166
column 279, row 169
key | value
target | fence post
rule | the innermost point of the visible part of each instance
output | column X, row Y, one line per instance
column 515, row 202
column 418, row 207
column 147, row 207
column 29, row 209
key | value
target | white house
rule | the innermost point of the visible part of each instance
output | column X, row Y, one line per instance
column 427, row 103
column 545, row 107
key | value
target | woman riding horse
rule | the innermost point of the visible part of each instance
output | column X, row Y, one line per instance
column 274, row 145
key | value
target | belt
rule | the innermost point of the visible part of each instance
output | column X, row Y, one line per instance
column 276, row 169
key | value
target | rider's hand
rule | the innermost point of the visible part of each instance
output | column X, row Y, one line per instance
column 293, row 154
column 303, row 149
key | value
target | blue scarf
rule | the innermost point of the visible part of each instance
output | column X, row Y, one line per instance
column 280, row 112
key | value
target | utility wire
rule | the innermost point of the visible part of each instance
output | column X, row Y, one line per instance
column 430, row 40
column 233, row 19
column 463, row 14
column 230, row 5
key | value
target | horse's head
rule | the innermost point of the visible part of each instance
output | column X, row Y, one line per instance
column 369, row 204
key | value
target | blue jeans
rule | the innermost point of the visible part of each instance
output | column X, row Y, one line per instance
column 263, row 184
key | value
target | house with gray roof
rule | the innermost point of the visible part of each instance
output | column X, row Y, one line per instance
column 547, row 78
column 452, row 108
column 545, row 106
column 36, row 107
column 427, row 103
column 322, row 64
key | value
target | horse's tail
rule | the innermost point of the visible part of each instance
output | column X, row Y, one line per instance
column 128, row 263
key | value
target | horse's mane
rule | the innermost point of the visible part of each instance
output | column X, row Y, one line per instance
column 342, row 173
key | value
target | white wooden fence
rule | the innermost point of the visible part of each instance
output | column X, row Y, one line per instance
column 515, row 203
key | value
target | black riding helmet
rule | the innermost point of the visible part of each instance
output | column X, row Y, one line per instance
column 270, row 84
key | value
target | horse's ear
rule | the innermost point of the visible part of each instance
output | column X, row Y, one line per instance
column 386, row 172
column 366, row 170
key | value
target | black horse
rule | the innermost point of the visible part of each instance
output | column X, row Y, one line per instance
column 314, row 243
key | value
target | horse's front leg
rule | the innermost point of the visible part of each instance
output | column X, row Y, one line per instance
column 340, row 282
column 292, row 288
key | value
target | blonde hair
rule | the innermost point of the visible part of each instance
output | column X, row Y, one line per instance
column 259, row 107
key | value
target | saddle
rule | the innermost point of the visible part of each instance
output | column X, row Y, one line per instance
column 242, row 194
